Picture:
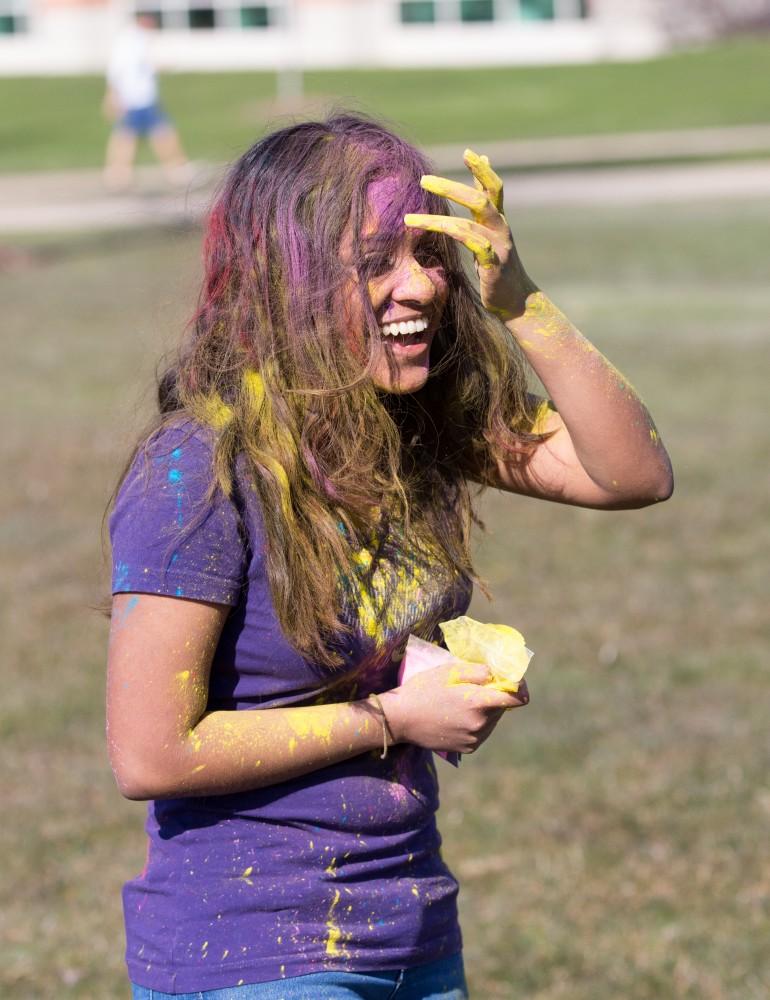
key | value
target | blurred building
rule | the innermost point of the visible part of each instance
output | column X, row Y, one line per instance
column 73, row 36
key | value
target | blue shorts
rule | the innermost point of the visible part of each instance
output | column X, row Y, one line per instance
column 442, row 980
column 143, row 120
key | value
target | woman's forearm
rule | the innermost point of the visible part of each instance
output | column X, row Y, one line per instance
column 611, row 430
column 234, row 751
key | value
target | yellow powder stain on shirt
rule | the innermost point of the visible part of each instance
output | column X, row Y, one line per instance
column 363, row 558
column 334, row 932
column 225, row 953
column 415, row 891
column 331, row 869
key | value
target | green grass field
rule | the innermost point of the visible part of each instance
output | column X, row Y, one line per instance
column 610, row 838
column 54, row 123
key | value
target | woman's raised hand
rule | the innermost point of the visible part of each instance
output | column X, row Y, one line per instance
column 448, row 707
column 503, row 282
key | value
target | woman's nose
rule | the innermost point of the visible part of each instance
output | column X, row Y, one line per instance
column 412, row 284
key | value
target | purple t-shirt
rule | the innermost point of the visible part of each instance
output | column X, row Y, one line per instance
column 338, row 869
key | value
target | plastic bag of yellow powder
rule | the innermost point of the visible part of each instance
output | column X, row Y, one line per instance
column 499, row 647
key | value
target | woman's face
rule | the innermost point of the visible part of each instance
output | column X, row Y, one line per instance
column 407, row 291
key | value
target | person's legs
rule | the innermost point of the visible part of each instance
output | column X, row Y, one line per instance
column 167, row 146
column 119, row 159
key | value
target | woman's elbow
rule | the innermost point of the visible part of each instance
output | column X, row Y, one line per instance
column 662, row 486
column 140, row 779
column 651, row 492
column 666, row 488
column 135, row 783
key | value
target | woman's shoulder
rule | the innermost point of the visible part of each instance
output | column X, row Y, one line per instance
column 172, row 470
column 171, row 519
column 183, row 442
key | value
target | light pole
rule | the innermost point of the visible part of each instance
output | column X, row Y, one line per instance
column 289, row 84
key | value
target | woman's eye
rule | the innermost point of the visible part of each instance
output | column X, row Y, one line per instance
column 378, row 263
column 428, row 257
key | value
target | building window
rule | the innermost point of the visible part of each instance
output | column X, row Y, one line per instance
column 536, row 10
column 201, row 17
column 469, row 11
column 13, row 17
column 208, row 15
column 477, row 10
column 418, row 12
column 254, row 17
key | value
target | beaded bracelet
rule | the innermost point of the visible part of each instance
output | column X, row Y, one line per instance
column 386, row 730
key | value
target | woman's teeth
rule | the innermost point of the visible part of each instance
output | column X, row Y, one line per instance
column 404, row 329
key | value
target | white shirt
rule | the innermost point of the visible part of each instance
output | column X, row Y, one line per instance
column 130, row 72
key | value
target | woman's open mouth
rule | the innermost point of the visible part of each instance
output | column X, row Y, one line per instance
column 406, row 334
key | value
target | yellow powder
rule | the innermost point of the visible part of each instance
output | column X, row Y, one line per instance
column 333, row 931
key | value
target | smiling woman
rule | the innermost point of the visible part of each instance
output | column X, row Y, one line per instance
column 301, row 507
column 407, row 289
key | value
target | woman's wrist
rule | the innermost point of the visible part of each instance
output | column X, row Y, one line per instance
column 540, row 321
column 390, row 705
column 513, row 306
column 387, row 734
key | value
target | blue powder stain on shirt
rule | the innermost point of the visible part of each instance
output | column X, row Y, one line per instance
column 175, row 477
column 122, row 576
column 179, row 592
column 176, row 454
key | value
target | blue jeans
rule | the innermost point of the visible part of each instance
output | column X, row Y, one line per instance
column 442, row 980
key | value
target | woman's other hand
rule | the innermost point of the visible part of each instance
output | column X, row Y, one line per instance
column 448, row 707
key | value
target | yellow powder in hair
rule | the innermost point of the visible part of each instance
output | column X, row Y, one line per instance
column 214, row 411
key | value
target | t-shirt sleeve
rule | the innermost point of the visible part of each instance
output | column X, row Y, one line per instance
column 168, row 535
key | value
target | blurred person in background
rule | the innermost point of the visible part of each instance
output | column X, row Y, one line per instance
column 131, row 102
column 300, row 506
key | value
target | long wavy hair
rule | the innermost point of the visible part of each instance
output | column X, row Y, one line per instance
column 267, row 364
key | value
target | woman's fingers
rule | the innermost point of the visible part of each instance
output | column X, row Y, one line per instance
column 475, row 199
column 484, row 201
column 485, row 176
column 470, row 234
column 466, row 672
